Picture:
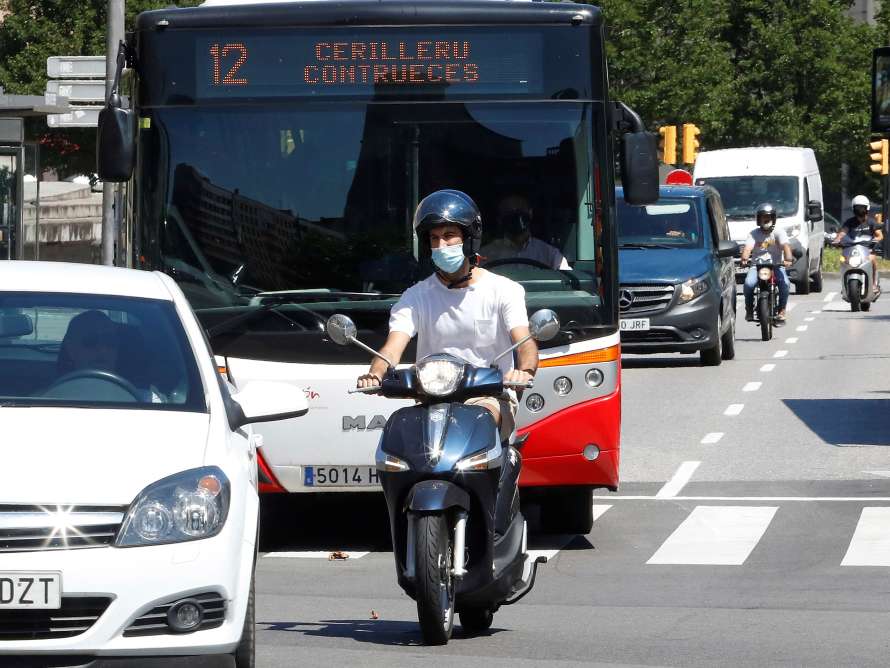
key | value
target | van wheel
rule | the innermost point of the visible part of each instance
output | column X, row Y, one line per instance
column 803, row 286
column 714, row 356
column 728, row 340
column 816, row 280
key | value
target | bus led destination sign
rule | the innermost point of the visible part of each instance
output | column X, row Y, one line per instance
column 368, row 63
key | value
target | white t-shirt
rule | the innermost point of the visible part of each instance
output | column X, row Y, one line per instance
column 763, row 244
column 473, row 323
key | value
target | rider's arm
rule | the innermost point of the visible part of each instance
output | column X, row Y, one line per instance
column 788, row 255
column 841, row 233
column 526, row 357
column 746, row 252
column 395, row 345
column 879, row 233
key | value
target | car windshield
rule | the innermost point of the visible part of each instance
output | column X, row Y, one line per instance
column 95, row 351
column 742, row 195
column 671, row 223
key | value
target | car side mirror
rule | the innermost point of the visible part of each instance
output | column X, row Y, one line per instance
column 266, row 401
column 15, row 325
column 639, row 168
column 814, row 210
column 728, row 249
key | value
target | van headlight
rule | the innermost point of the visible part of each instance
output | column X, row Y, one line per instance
column 185, row 506
column 694, row 287
column 439, row 376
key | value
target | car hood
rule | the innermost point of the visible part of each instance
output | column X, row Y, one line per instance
column 94, row 456
column 673, row 265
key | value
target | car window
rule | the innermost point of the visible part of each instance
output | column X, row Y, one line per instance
column 668, row 222
column 97, row 351
column 716, row 209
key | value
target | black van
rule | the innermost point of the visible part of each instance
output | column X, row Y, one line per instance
column 678, row 291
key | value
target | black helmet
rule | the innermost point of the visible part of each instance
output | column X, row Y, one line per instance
column 449, row 207
column 768, row 211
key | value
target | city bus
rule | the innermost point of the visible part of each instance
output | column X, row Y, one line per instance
column 275, row 155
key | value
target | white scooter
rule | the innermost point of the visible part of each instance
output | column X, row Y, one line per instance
column 857, row 273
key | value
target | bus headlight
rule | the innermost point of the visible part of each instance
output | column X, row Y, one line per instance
column 534, row 402
column 562, row 386
column 439, row 377
column 594, row 377
column 694, row 287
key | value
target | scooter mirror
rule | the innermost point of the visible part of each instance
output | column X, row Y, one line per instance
column 341, row 329
column 543, row 324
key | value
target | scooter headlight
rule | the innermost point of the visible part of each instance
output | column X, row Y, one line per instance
column 390, row 463
column 855, row 260
column 439, row 377
column 764, row 273
column 481, row 461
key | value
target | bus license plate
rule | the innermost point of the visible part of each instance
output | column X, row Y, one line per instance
column 341, row 476
column 21, row 590
column 635, row 324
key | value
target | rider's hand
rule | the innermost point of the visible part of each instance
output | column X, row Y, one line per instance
column 517, row 376
column 744, row 263
column 367, row 380
column 787, row 263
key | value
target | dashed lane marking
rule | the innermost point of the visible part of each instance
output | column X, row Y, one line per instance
column 808, row 319
column 802, row 328
column 766, row 368
column 780, row 353
column 830, row 296
column 791, row 339
column 713, row 437
column 734, row 409
column 752, row 386
column 673, row 486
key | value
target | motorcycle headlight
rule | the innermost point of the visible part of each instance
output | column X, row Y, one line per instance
column 389, row 463
column 694, row 287
column 855, row 259
column 186, row 506
column 439, row 377
column 481, row 461
column 764, row 273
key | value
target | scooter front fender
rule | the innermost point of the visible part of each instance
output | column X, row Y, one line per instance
column 433, row 495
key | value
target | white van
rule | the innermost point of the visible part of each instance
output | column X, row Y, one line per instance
column 784, row 175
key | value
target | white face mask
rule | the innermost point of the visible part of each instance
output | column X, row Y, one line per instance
column 449, row 258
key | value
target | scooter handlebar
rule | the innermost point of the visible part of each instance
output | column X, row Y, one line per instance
column 520, row 385
column 366, row 390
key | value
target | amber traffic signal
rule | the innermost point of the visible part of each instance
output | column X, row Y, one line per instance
column 690, row 142
column 667, row 145
column 879, row 156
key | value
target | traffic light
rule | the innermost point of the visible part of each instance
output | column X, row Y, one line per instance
column 879, row 156
column 667, row 147
column 690, row 143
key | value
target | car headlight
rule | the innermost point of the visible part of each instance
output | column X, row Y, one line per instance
column 186, row 506
column 481, row 461
column 855, row 259
column 439, row 377
column 793, row 230
column 694, row 287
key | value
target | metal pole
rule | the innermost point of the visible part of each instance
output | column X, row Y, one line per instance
column 113, row 37
column 885, row 208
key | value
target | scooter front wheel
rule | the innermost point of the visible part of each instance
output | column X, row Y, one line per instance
column 765, row 316
column 434, row 562
column 854, row 292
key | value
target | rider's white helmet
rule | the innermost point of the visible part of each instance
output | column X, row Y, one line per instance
column 860, row 200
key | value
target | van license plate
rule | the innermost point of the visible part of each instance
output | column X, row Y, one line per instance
column 341, row 476
column 30, row 590
column 635, row 324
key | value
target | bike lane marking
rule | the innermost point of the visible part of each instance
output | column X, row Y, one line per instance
column 713, row 437
column 734, row 409
column 791, row 339
column 802, row 328
column 673, row 486
column 753, row 386
column 766, row 368
column 780, row 353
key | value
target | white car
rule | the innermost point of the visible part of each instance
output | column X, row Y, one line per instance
column 128, row 490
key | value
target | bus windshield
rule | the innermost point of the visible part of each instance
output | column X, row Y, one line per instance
column 299, row 210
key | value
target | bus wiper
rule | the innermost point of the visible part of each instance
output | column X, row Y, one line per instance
column 270, row 304
column 297, row 296
column 652, row 245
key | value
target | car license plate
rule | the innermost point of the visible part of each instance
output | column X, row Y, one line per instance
column 21, row 590
column 341, row 476
column 634, row 324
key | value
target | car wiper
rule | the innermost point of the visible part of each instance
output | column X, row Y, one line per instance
column 652, row 245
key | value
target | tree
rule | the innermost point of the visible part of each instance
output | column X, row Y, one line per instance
column 36, row 29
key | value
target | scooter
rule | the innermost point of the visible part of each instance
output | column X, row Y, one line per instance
column 857, row 273
column 451, row 487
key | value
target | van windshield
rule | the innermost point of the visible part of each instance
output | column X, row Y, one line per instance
column 742, row 195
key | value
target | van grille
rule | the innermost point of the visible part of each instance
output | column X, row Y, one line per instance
column 76, row 615
column 644, row 299
column 39, row 528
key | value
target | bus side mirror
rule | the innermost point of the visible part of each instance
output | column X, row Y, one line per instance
column 639, row 167
column 116, row 144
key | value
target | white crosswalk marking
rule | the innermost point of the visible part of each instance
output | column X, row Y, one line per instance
column 715, row 535
column 599, row 510
column 870, row 545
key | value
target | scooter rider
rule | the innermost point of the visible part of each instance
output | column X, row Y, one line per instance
column 461, row 309
column 765, row 239
column 861, row 225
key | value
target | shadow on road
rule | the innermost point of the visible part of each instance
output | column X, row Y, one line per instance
column 845, row 421
column 655, row 362
column 376, row 631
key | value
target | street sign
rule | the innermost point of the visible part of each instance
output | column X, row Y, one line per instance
column 678, row 177
column 78, row 117
column 78, row 91
column 76, row 67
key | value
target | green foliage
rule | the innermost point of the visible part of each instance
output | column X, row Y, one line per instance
column 36, row 29
column 749, row 73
